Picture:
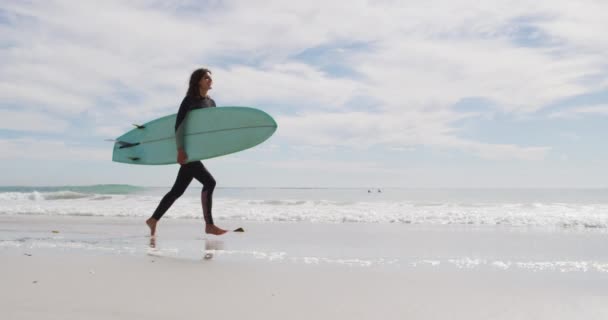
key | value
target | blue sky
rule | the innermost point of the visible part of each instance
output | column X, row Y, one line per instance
column 373, row 94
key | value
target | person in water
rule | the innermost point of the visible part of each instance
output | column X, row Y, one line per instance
column 196, row 98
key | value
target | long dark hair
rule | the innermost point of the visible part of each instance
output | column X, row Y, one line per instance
column 195, row 78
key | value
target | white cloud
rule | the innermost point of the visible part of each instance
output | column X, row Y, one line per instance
column 110, row 132
column 503, row 151
column 580, row 111
column 28, row 148
column 294, row 85
column 127, row 62
column 424, row 73
column 327, row 166
column 402, row 130
column 30, row 122
column 572, row 136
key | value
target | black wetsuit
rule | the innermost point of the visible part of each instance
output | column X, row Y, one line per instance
column 192, row 170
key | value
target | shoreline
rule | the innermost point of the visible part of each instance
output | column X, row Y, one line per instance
column 349, row 244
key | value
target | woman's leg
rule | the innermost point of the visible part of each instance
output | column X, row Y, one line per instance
column 203, row 176
column 184, row 177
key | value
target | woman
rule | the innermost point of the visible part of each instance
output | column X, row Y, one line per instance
column 196, row 98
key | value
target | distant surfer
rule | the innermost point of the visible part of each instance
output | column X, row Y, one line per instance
column 196, row 98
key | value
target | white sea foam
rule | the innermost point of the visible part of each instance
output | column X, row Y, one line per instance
column 477, row 213
column 41, row 196
column 557, row 266
column 464, row 262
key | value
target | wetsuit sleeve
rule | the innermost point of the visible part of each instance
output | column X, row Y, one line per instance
column 180, row 123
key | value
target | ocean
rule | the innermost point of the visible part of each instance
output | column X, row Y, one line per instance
column 552, row 230
column 544, row 208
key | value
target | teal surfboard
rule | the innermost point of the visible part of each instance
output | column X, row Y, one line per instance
column 209, row 133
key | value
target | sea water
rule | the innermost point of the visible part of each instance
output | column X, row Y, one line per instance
column 551, row 208
column 553, row 230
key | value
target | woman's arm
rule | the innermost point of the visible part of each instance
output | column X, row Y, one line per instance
column 180, row 128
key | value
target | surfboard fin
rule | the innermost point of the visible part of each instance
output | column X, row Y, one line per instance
column 139, row 126
column 124, row 144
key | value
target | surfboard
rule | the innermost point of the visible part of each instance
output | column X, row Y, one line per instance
column 209, row 133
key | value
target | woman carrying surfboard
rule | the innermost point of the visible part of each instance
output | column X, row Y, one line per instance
column 196, row 98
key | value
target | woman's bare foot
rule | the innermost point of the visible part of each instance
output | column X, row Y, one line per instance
column 152, row 225
column 212, row 229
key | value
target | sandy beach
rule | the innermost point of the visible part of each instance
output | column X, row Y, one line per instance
column 99, row 268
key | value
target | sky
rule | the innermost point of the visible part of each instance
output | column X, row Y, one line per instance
column 410, row 93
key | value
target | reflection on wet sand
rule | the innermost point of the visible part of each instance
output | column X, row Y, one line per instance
column 210, row 247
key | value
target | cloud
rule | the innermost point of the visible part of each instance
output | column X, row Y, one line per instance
column 581, row 111
column 114, row 63
column 46, row 149
column 31, row 122
column 503, row 151
column 401, row 130
column 426, row 73
column 291, row 85
column 326, row 166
